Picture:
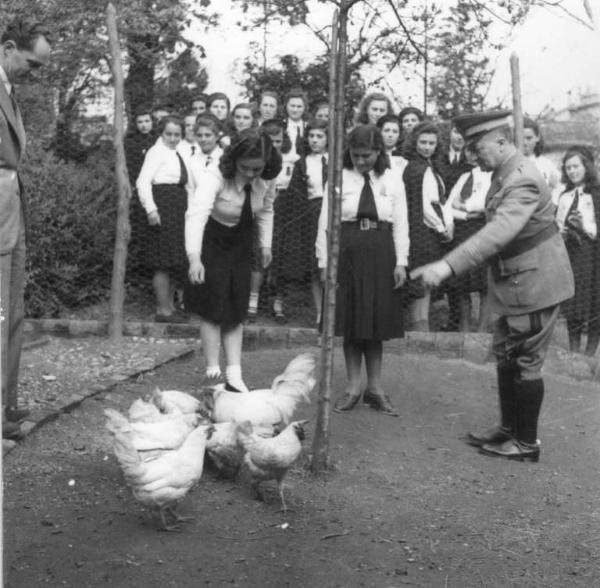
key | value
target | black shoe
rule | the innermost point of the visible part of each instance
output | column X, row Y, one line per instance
column 251, row 316
column 16, row 415
column 379, row 401
column 346, row 402
column 231, row 388
column 495, row 435
column 279, row 317
column 513, row 449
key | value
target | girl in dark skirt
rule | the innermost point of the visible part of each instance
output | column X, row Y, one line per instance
column 163, row 186
column 297, row 263
column 578, row 217
column 372, row 264
column 218, row 240
column 466, row 203
column 430, row 223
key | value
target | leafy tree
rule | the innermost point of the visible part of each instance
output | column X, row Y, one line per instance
column 463, row 73
column 154, row 48
column 312, row 78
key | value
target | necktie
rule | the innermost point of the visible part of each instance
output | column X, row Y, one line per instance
column 208, row 160
column 183, row 178
column 366, row 204
column 13, row 100
column 193, row 150
column 298, row 141
column 467, row 190
column 324, row 171
column 246, row 215
column 437, row 206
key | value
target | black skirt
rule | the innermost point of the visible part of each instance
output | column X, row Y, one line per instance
column 227, row 258
column 474, row 280
column 165, row 243
column 367, row 305
column 582, row 252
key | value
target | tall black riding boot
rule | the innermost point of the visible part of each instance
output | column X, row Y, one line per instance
column 529, row 398
column 507, row 372
column 529, row 395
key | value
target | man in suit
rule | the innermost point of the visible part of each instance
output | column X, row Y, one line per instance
column 529, row 276
column 24, row 47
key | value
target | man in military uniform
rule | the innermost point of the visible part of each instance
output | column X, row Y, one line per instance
column 529, row 276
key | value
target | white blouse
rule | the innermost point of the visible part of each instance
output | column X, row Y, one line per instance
column 161, row 166
column 431, row 195
column 398, row 163
column 203, row 161
column 223, row 200
column 585, row 207
column 390, row 201
column 476, row 202
column 314, row 172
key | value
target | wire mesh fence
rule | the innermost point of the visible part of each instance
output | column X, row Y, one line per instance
column 72, row 194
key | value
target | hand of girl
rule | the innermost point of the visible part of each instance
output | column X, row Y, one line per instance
column 154, row 218
column 399, row 276
column 196, row 271
column 266, row 256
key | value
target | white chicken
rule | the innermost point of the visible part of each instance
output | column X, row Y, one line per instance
column 168, row 432
column 168, row 401
column 267, row 406
column 270, row 459
column 161, row 482
column 225, row 448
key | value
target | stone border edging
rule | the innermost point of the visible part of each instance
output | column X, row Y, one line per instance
column 472, row 347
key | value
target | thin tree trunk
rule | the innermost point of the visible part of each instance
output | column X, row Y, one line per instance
column 117, row 295
column 320, row 447
column 517, row 106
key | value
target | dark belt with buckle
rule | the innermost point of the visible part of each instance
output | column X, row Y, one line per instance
column 366, row 224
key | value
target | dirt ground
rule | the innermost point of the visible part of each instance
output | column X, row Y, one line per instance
column 407, row 504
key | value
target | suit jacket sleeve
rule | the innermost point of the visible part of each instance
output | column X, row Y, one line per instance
column 517, row 202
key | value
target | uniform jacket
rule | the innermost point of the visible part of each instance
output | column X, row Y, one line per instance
column 518, row 207
column 12, row 147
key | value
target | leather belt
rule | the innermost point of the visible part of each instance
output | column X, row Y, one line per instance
column 366, row 224
column 517, row 247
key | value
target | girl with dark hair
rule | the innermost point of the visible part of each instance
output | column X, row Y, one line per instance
column 275, row 130
column 163, row 186
column 199, row 104
column 372, row 263
column 533, row 147
column 296, row 107
column 218, row 104
column 578, row 218
column 296, row 263
column 390, row 127
column 242, row 117
column 321, row 110
column 372, row 107
column 410, row 117
column 430, row 223
column 218, row 241
column 140, row 137
column 208, row 131
column 267, row 106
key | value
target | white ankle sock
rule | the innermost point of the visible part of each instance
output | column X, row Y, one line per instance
column 213, row 371
column 233, row 375
column 253, row 303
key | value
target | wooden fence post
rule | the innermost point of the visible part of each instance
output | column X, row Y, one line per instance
column 117, row 294
column 517, row 105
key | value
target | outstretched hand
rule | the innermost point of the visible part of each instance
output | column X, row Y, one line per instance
column 432, row 274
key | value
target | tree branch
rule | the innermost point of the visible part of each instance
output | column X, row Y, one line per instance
column 406, row 32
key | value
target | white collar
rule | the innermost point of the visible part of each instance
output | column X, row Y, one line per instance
column 5, row 81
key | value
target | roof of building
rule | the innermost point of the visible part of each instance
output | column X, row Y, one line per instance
column 563, row 134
